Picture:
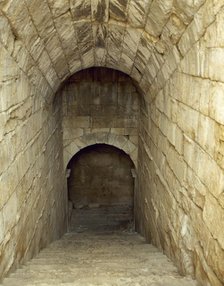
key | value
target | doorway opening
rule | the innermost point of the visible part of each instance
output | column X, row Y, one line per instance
column 101, row 189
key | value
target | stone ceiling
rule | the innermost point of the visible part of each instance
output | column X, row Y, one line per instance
column 56, row 38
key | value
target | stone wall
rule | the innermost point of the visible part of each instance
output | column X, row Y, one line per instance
column 174, row 51
column 32, row 201
column 181, row 152
column 100, row 106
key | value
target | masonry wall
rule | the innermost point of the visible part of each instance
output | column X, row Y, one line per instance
column 32, row 208
column 100, row 105
column 174, row 50
column 181, row 151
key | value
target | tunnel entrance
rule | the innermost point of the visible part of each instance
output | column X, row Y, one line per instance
column 101, row 189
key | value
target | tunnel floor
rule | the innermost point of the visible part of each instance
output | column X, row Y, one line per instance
column 99, row 258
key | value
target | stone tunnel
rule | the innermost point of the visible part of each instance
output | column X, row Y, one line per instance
column 143, row 80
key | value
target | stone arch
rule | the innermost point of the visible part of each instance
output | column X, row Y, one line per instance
column 125, row 35
column 119, row 141
column 101, row 189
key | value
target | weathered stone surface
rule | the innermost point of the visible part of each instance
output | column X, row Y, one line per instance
column 81, row 9
column 99, row 100
column 100, row 10
column 108, row 252
column 118, row 9
column 174, row 51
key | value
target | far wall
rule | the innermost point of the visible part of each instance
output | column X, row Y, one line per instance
column 100, row 106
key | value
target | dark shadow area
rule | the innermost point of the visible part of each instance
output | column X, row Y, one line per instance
column 100, row 189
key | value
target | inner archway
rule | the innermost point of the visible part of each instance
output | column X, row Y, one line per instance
column 101, row 189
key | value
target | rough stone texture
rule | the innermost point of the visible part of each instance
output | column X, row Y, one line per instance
column 100, row 188
column 100, row 106
column 99, row 259
column 32, row 200
column 174, row 51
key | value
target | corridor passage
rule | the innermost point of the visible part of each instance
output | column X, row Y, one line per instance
column 100, row 258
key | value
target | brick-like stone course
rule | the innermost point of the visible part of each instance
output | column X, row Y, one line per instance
column 174, row 51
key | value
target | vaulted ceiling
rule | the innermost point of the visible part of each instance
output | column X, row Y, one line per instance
column 59, row 37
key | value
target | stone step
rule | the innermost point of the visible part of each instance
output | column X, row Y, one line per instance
column 104, row 280
column 113, row 259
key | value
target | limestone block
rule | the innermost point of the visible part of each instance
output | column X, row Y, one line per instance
column 100, row 10
column 7, row 37
column 72, row 133
column 162, row 143
column 184, row 43
column 187, row 9
column 166, row 72
column 189, row 152
column 196, row 189
column 10, row 212
column 131, row 131
column 88, row 58
column 215, row 58
column 151, row 70
column 163, row 123
column 213, row 216
column 2, row 228
column 36, row 47
column 210, row 174
column 58, row 7
column 177, row 165
column 219, row 150
column 47, row 69
column 20, row 22
column 216, row 107
column 74, row 62
column 100, row 56
column 159, row 101
column 126, row 63
column 56, row 54
column 134, row 139
column 114, row 41
column 80, row 122
column 66, row 32
column 158, row 16
column 206, row 134
column 42, row 20
column 196, row 63
column 214, row 36
column 130, row 147
column 84, row 32
column 118, row 10
column 136, row 74
column 22, row 57
column 145, row 48
column 81, row 9
column 100, row 35
column 131, row 43
column 37, row 78
column 9, row 70
column 202, row 19
column 173, row 58
column 187, row 120
column 184, row 89
column 137, row 12
column 173, row 30
column 99, row 138
column 215, row 258
column 5, row 100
